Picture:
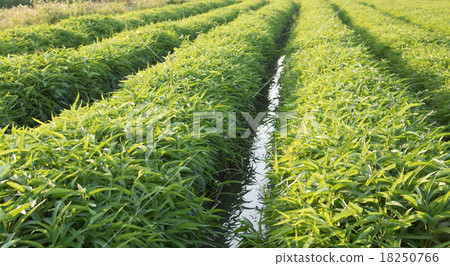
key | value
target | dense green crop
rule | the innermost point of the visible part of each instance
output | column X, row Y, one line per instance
column 418, row 55
column 84, row 30
column 361, row 166
column 116, row 161
column 430, row 15
column 80, row 181
column 40, row 85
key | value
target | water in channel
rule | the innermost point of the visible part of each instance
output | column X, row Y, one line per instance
column 243, row 200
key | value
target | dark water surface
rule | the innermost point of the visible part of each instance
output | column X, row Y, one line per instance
column 242, row 199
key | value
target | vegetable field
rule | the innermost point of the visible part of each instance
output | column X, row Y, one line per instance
column 84, row 30
column 101, row 144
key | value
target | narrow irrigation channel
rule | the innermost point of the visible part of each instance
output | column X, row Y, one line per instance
column 242, row 200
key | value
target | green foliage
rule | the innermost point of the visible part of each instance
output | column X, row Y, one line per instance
column 361, row 166
column 418, row 55
column 79, row 181
column 364, row 165
column 429, row 15
column 83, row 30
column 38, row 86
column 52, row 11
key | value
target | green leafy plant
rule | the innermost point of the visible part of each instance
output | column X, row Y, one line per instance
column 38, row 86
column 80, row 181
column 416, row 13
column 51, row 12
column 418, row 55
column 361, row 166
column 83, row 30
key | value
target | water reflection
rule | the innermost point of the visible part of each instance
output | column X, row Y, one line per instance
column 243, row 198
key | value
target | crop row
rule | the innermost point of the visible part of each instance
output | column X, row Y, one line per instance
column 84, row 30
column 51, row 12
column 360, row 166
column 415, row 54
column 430, row 15
column 37, row 86
column 86, row 180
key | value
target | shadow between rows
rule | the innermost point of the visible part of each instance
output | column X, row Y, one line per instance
column 423, row 84
column 399, row 18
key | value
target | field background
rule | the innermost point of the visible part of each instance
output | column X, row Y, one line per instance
column 98, row 107
column 17, row 13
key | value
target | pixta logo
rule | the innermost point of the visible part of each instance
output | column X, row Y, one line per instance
column 147, row 126
column 213, row 123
